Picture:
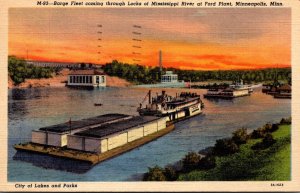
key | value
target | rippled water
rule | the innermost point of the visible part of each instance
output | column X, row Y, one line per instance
column 30, row 109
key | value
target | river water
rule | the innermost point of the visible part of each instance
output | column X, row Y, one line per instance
column 33, row 108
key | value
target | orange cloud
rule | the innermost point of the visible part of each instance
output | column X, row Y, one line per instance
column 189, row 38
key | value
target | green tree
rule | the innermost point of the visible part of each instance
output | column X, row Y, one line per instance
column 208, row 162
column 155, row 174
column 240, row 136
column 225, row 147
column 170, row 173
column 191, row 161
column 19, row 70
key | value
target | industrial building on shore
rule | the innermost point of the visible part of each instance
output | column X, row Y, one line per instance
column 86, row 78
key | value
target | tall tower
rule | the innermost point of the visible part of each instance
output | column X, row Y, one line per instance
column 160, row 61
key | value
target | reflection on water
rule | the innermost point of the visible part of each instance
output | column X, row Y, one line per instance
column 49, row 162
column 30, row 109
column 27, row 94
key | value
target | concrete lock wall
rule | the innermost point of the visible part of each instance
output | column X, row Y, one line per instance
column 135, row 133
column 75, row 142
column 38, row 137
column 117, row 140
column 93, row 145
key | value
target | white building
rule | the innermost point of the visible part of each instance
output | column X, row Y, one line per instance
column 87, row 78
column 169, row 77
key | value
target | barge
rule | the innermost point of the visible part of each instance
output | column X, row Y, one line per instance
column 98, row 138
column 228, row 93
column 278, row 91
column 176, row 108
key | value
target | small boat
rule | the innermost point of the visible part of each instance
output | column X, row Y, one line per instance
column 284, row 92
column 98, row 104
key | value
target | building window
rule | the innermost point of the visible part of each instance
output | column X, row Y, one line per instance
column 80, row 79
column 103, row 79
column 90, row 79
column 97, row 79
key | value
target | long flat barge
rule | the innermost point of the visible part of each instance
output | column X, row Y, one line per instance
column 96, row 139
column 93, row 158
column 228, row 93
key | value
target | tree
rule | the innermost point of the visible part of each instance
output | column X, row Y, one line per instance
column 155, row 174
column 240, row 136
column 170, row 173
column 267, row 141
column 258, row 133
column 141, row 74
column 19, row 70
column 208, row 162
column 191, row 161
column 225, row 147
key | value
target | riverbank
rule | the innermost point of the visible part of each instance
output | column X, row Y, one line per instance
column 264, row 154
column 273, row 163
column 57, row 80
column 60, row 79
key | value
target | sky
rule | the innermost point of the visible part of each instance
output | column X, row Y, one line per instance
column 189, row 38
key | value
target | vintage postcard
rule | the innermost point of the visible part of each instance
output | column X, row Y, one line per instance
column 112, row 95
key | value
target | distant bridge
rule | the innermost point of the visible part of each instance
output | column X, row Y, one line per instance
column 59, row 64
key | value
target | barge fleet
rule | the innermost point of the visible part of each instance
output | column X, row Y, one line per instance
column 97, row 138
column 102, row 137
column 176, row 108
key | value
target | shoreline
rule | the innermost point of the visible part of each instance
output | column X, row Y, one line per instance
column 60, row 80
column 182, row 175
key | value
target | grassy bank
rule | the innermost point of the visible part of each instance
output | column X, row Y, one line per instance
column 272, row 163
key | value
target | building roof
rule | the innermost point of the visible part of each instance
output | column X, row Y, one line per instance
column 64, row 127
column 86, row 72
column 112, row 128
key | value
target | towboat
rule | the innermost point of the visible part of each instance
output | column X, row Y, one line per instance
column 183, row 105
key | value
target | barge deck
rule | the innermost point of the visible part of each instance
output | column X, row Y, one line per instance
column 93, row 158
